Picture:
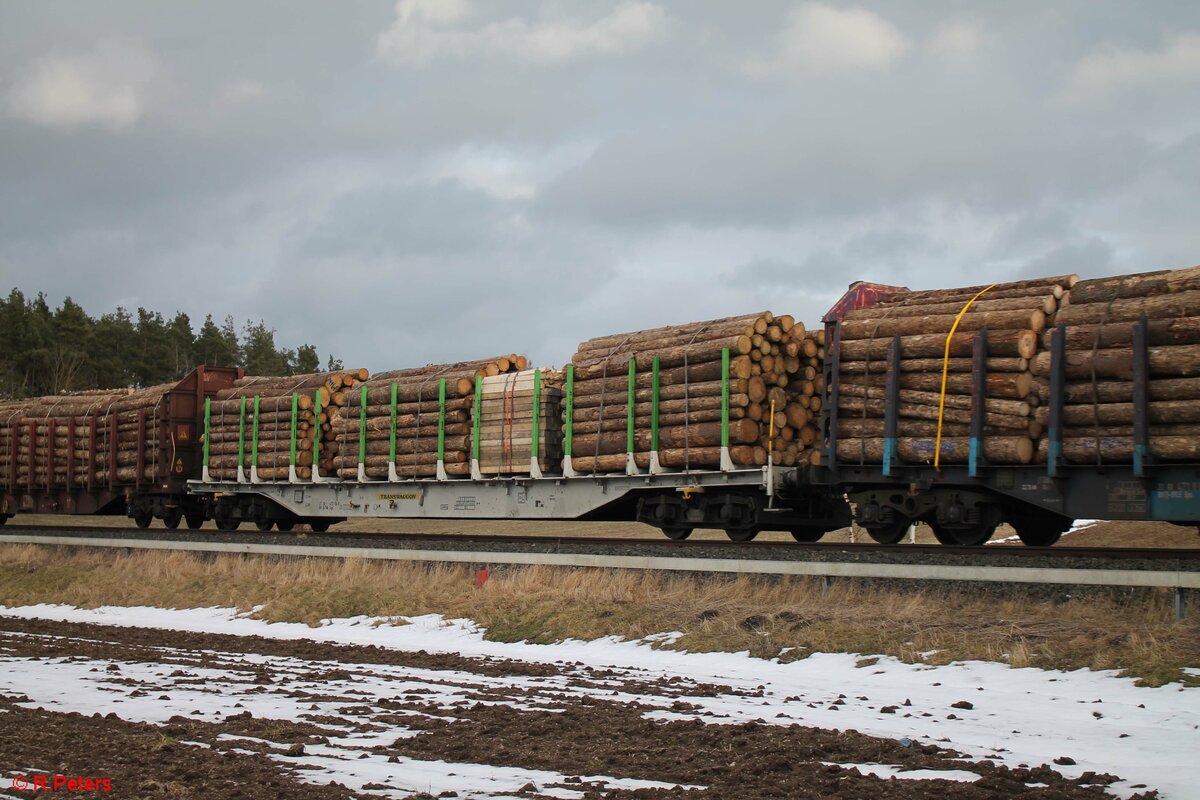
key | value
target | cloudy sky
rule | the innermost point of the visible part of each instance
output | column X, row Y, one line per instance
column 438, row 179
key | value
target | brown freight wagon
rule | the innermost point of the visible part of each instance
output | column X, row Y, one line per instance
column 127, row 452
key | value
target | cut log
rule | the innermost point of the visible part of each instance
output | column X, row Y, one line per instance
column 1164, row 412
column 941, row 295
column 701, row 403
column 941, row 324
column 1012, row 385
column 1184, row 330
column 876, row 408
column 1022, row 343
column 1143, row 284
column 1121, row 391
column 742, row 431
column 1163, row 306
column 954, row 450
column 1177, row 360
column 1119, row 449
column 668, row 357
column 1017, row 408
column 1047, row 304
column 610, row 341
column 877, row 366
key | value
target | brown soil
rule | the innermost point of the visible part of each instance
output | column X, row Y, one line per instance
column 140, row 760
column 573, row 735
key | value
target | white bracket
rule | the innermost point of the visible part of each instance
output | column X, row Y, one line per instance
column 241, row 474
column 726, row 461
column 535, row 469
column 631, row 467
column 476, row 475
column 317, row 477
column 655, row 467
column 441, row 471
column 204, row 476
column 362, row 472
column 254, row 474
column 393, row 476
column 292, row 477
column 568, row 470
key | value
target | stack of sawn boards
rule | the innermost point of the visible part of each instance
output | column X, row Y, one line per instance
column 516, row 411
column 261, row 416
column 773, row 367
column 413, row 416
column 53, row 438
column 1098, row 411
column 1014, row 315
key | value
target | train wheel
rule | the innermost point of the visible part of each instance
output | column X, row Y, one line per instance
column 741, row 534
column 677, row 532
column 319, row 527
column 194, row 521
column 264, row 524
column 285, row 526
column 1040, row 532
column 892, row 532
column 228, row 524
column 964, row 537
column 172, row 517
column 807, row 535
column 143, row 519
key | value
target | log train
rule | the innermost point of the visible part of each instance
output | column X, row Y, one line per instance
column 1031, row 403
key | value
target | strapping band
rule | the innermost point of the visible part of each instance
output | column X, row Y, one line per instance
column 937, row 445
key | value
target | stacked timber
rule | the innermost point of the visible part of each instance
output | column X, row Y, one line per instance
column 1098, row 394
column 774, row 386
column 406, row 412
column 129, row 433
column 293, row 407
column 84, row 438
column 516, row 410
column 1013, row 314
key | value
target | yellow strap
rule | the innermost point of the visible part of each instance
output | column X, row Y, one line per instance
column 771, row 428
column 937, row 447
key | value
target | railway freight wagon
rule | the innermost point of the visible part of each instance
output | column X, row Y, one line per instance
column 1034, row 403
column 127, row 451
column 681, row 427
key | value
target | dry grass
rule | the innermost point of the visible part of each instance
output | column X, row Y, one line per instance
column 1104, row 534
column 787, row 618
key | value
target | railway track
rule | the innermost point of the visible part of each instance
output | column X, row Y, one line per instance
column 1118, row 557
column 1051, row 569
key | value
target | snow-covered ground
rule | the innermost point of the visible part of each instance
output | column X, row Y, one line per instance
column 1017, row 716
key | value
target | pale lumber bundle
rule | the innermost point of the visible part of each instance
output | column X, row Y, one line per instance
column 1098, row 408
column 506, row 429
column 935, row 370
column 774, row 369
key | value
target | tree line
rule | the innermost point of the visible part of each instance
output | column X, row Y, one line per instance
column 46, row 350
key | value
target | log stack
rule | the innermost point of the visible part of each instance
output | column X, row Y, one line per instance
column 318, row 398
column 1014, row 315
column 420, row 412
column 1098, row 411
column 774, row 368
column 55, row 435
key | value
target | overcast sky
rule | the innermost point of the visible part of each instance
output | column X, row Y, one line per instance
column 427, row 180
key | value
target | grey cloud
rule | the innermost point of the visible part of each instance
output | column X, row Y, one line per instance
column 280, row 170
